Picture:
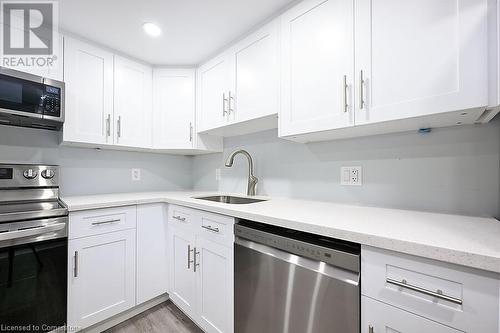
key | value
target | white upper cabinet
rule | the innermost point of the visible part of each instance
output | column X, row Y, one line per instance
column 317, row 63
column 238, row 91
column 213, row 80
column 88, row 73
column 256, row 75
column 133, row 103
column 173, row 108
column 420, row 57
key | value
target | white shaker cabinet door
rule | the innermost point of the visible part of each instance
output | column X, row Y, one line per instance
column 420, row 57
column 101, row 277
column 88, row 74
column 378, row 317
column 256, row 76
column 213, row 80
column 174, row 108
column 152, row 251
column 214, row 286
column 133, row 103
column 182, row 287
column 317, row 64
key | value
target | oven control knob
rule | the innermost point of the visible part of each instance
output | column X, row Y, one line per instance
column 30, row 174
column 48, row 173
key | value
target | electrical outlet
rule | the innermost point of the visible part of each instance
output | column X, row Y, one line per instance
column 217, row 174
column 136, row 174
column 351, row 176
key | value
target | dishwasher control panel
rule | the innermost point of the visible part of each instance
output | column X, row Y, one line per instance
column 299, row 243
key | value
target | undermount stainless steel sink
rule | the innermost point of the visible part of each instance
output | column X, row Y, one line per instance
column 230, row 199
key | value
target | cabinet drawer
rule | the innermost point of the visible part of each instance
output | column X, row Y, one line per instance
column 379, row 317
column 463, row 298
column 100, row 221
column 179, row 215
column 215, row 227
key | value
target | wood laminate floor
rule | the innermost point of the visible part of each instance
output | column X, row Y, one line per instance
column 163, row 318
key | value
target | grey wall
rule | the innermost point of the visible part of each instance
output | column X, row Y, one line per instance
column 90, row 171
column 452, row 170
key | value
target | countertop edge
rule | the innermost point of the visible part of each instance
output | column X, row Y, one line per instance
column 453, row 256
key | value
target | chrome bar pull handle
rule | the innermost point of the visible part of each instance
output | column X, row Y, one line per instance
column 224, row 103
column 344, row 100
column 361, row 91
column 75, row 272
column 108, row 125
column 437, row 294
column 178, row 218
column 189, row 256
column 196, row 263
column 106, row 222
column 370, row 329
column 230, row 103
column 119, row 127
column 190, row 132
column 209, row 227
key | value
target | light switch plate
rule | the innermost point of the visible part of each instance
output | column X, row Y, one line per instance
column 351, row 176
column 136, row 174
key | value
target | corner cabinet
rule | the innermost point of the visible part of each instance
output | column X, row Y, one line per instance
column 117, row 260
column 173, row 108
column 201, row 267
column 88, row 74
column 133, row 84
column 116, row 103
column 152, row 251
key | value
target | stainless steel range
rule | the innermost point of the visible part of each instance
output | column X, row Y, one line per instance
column 33, row 249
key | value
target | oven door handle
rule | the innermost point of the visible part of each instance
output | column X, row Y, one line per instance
column 35, row 231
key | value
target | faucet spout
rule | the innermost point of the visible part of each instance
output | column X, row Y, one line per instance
column 252, row 180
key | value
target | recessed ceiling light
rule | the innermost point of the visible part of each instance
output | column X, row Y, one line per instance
column 151, row 29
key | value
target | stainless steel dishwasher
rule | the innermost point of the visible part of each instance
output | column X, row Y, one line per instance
column 288, row 281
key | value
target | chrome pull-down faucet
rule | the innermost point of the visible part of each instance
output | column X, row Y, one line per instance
column 252, row 180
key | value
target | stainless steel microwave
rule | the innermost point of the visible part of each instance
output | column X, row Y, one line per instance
column 30, row 101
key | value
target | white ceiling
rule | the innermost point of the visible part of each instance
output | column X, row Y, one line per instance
column 193, row 30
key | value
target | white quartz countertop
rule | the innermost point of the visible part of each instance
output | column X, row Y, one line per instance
column 464, row 240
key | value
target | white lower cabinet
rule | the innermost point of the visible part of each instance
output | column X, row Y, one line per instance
column 101, row 281
column 117, row 259
column 423, row 295
column 182, row 278
column 214, row 285
column 152, row 250
column 201, row 269
column 378, row 317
